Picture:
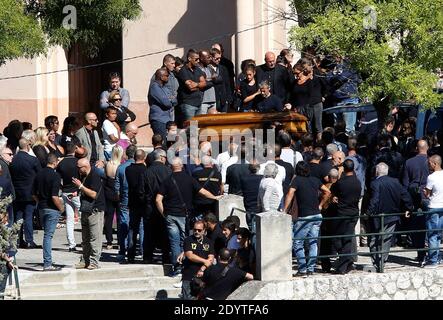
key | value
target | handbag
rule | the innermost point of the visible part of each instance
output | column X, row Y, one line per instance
column 86, row 206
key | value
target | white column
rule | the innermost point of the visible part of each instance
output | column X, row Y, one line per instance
column 274, row 246
column 244, row 41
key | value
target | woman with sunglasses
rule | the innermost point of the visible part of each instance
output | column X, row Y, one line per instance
column 124, row 115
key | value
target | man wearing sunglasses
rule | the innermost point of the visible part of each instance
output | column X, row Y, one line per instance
column 191, row 85
column 89, row 137
column 199, row 255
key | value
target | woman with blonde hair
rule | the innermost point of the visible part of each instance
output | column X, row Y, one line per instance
column 39, row 147
column 112, row 199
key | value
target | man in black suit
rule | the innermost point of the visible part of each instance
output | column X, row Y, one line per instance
column 24, row 169
column 225, row 62
column 224, row 89
column 277, row 76
column 387, row 196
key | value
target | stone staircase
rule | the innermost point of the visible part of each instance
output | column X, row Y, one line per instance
column 124, row 282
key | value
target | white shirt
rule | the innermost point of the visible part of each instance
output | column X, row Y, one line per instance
column 270, row 194
column 288, row 155
column 108, row 128
column 435, row 184
column 281, row 175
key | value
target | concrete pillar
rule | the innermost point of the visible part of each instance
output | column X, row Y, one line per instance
column 227, row 203
column 244, row 41
column 274, row 246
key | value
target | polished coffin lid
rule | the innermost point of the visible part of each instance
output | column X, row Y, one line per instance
column 237, row 122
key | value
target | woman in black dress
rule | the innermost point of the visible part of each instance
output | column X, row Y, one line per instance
column 53, row 146
column 249, row 90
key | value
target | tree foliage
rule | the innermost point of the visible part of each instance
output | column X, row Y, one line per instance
column 20, row 34
column 28, row 27
column 98, row 22
column 395, row 45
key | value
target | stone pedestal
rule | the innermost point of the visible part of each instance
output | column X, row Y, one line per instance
column 229, row 202
column 274, row 246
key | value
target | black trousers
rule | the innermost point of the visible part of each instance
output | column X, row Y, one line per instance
column 111, row 207
column 136, row 214
column 326, row 245
column 344, row 245
column 160, row 237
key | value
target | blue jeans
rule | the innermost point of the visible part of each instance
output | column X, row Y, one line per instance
column 25, row 211
column 349, row 117
column 306, row 229
column 123, row 227
column 434, row 220
column 188, row 111
column 49, row 219
column 159, row 128
column 176, row 233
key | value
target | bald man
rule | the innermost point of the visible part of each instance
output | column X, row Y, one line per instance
column 161, row 102
column 90, row 139
column 129, row 137
column 414, row 180
column 337, row 160
column 92, row 199
column 174, row 201
column 279, row 78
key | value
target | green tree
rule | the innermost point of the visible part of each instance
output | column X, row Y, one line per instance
column 395, row 45
column 90, row 23
column 20, row 34
column 28, row 27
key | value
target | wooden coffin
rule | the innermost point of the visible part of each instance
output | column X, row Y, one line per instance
column 238, row 122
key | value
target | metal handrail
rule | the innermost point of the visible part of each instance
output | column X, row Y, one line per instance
column 382, row 233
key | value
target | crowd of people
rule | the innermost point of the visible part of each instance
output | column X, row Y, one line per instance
column 166, row 200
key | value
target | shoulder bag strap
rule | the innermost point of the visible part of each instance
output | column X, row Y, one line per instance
column 180, row 195
column 209, row 178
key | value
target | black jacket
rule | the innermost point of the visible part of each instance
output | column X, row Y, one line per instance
column 7, row 175
column 233, row 175
column 24, row 168
column 388, row 196
column 281, row 81
column 223, row 89
column 154, row 176
column 136, row 189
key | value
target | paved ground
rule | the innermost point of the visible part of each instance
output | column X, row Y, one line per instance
column 32, row 259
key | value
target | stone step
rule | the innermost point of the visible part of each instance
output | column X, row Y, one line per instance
column 99, row 285
column 117, row 294
column 69, row 275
